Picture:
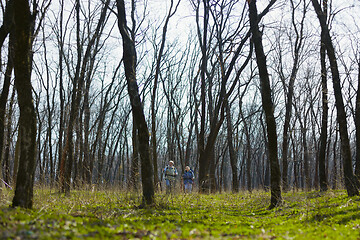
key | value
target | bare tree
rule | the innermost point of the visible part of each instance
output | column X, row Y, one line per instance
column 172, row 10
column 80, row 76
column 299, row 42
column 267, row 104
column 325, row 110
column 129, row 57
column 351, row 182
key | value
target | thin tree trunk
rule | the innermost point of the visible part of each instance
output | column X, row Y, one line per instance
column 61, row 93
column 8, row 21
column 4, row 96
column 267, row 106
column 134, row 171
column 290, row 93
column 203, row 161
column 335, row 165
column 325, row 110
column 8, row 139
column 248, row 151
column 357, row 125
column 82, row 68
column 266, row 158
column 129, row 57
column 306, row 157
column 232, row 152
column 153, row 97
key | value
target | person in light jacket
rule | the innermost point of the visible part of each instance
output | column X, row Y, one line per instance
column 170, row 173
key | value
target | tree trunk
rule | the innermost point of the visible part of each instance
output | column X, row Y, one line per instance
column 265, row 157
column 306, row 157
column 351, row 182
column 6, row 159
column 203, row 161
column 82, row 68
column 8, row 21
column 290, row 93
column 232, row 152
column 267, row 106
column 4, row 96
column 61, row 93
column 134, row 171
column 27, row 122
column 325, row 110
column 16, row 159
column 247, row 151
column 129, row 57
column 335, row 165
column 153, row 97
column 357, row 125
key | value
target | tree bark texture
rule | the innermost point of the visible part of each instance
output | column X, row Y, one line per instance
column 27, row 126
column 275, row 175
column 129, row 57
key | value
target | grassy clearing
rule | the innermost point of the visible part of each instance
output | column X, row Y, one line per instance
column 114, row 215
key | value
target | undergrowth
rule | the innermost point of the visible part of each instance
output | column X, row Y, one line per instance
column 115, row 215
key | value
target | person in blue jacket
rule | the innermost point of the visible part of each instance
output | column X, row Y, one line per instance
column 188, row 179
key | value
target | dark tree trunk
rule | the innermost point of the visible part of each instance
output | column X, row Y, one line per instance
column 67, row 154
column 61, row 93
column 232, row 152
column 4, row 96
column 134, row 171
column 357, row 125
column 212, row 170
column 296, row 166
column 351, row 182
column 8, row 21
column 289, row 96
column 27, row 123
column 8, row 141
column 325, row 110
column 335, row 165
column 267, row 106
column 266, row 158
column 290, row 92
column 129, row 57
column 87, row 171
column 247, row 151
column 306, row 156
column 203, row 160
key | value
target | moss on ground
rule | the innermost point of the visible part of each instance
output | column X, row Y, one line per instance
column 114, row 215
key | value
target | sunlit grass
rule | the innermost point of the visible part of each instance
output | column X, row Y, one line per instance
column 114, row 214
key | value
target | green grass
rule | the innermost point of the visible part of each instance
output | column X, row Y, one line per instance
column 114, row 215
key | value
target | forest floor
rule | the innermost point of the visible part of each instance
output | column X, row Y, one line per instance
column 114, row 215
